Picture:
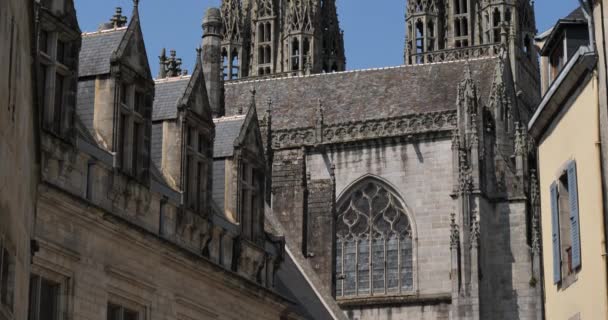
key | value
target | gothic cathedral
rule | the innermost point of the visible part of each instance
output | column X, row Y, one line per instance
column 403, row 192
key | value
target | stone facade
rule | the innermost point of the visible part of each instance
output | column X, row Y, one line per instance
column 126, row 226
column 445, row 137
column 18, row 167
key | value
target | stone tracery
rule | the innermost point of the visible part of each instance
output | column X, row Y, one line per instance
column 373, row 242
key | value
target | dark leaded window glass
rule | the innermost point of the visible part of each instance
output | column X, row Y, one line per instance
column 373, row 243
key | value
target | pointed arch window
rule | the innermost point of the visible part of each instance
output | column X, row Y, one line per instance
column 374, row 251
column 496, row 25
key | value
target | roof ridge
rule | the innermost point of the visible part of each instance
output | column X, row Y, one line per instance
column 173, row 79
column 100, row 32
column 229, row 118
column 243, row 81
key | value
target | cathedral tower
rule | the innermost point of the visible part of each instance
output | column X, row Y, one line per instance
column 439, row 30
column 267, row 37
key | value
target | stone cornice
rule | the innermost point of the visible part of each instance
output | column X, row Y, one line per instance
column 420, row 125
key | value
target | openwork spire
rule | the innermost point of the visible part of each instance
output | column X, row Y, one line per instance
column 232, row 19
column 300, row 15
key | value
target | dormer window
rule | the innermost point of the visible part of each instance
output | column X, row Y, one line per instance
column 251, row 200
column 57, row 56
column 195, row 182
column 132, row 145
column 557, row 60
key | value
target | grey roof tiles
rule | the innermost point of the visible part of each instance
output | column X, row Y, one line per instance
column 166, row 98
column 361, row 95
column 227, row 130
column 97, row 49
column 576, row 15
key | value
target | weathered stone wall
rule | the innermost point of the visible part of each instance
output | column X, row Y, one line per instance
column 506, row 290
column 288, row 194
column 18, row 169
column 319, row 218
column 104, row 258
column 419, row 171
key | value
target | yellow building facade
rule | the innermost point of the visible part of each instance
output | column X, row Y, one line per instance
column 566, row 128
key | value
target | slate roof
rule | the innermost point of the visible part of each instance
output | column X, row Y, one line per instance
column 168, row 92
column 227, row 130
column 97, row 49
column 576, row 15
column 361, row 95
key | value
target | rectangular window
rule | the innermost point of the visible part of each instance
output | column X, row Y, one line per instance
column 557, row 61
column 190, row 182
column 43, row 41
column 61, row 52
column 124, row 94
column 44, row 299
column 122, row 146
column 58, row 107
column 136, row 152
column 43, row 90
column 6, row 278
column 189, row 136
column 201, row 146
column 116, row 312
column 565, row 227
column 140, row 102
column 199, row 189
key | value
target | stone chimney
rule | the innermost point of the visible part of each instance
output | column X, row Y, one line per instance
column 212, row 59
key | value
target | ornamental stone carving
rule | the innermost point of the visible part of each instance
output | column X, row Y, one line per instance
column 409, row 125
column 454, row 233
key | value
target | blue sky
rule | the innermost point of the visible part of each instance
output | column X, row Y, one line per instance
column 374, row 34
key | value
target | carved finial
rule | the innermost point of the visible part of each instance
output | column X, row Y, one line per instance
column 118, row 20
column 520, row 140
column 162, row 71
column 455, row 140
column 454, row 232
column 253, row 93
column 173, row 65
column 534, row 189
column 475, row 231
column 474, row 131
column 135, row 4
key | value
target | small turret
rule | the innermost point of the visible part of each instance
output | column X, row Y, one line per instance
column 212, row 62
column 162, row 62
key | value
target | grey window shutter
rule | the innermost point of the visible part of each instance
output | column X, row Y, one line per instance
column 557, row 268
column 574, row 215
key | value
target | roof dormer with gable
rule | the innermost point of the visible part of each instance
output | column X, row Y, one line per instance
column 115, row 92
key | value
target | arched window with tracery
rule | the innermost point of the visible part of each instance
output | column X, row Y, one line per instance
column 374, row 251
